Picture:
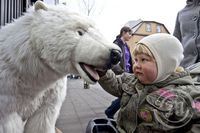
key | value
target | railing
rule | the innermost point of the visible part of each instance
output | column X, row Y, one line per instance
column 11, row 9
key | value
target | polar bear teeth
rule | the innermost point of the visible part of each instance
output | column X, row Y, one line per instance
column 90, row 71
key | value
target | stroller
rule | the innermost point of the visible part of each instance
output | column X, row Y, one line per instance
column 101, row 125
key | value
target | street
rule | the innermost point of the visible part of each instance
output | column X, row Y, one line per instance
column 81, row 105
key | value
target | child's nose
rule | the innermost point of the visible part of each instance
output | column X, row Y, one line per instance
column 137, row 65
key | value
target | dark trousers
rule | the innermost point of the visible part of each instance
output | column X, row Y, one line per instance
column 113, row 108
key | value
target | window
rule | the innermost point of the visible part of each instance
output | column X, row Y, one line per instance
column 148, row 27
column 158, row 28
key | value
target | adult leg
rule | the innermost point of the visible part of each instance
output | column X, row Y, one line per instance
column 113, row 108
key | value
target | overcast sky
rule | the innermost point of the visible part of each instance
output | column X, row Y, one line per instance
column 111, row 15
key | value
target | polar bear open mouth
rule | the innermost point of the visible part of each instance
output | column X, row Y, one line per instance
column 90, row 71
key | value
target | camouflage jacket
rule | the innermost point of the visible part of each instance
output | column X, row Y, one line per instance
column 170, row 106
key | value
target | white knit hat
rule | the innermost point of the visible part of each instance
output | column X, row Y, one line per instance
column 167, row 51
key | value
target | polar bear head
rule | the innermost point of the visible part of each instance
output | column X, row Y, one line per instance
column 69, row 43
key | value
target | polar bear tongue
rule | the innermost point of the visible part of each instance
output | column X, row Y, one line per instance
column 92, row 72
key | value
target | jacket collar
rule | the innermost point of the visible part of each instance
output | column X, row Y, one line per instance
column 177, row 78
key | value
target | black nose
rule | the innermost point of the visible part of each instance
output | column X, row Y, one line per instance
column 115, row 56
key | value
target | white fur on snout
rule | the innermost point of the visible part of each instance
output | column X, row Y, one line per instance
column 96, row 50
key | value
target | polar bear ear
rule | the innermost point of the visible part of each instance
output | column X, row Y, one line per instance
column 40, row 5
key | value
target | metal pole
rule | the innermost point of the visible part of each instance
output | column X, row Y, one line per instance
column 2, row 12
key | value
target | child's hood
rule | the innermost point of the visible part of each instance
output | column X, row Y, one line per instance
column 167, row 51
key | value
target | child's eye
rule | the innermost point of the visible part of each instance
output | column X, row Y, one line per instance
column 144, row 59
column 135, row 60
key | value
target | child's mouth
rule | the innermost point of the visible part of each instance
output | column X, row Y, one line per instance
column 138, row 73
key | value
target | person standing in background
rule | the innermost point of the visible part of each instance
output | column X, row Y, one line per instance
column 125, row 65
column 187, row 30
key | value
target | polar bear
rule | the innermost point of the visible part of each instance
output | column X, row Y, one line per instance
column 36, row 53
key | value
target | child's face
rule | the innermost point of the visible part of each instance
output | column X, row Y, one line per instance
column 145, row 68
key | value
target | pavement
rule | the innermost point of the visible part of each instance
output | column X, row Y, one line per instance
column 81, row 105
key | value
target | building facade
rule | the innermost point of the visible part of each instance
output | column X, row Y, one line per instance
column 142, row 28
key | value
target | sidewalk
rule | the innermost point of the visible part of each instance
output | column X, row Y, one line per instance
column 82, row 105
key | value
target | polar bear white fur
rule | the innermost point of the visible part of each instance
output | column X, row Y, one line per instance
column 36, row 53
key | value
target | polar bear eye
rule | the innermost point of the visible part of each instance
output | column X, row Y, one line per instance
column 80, row 32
